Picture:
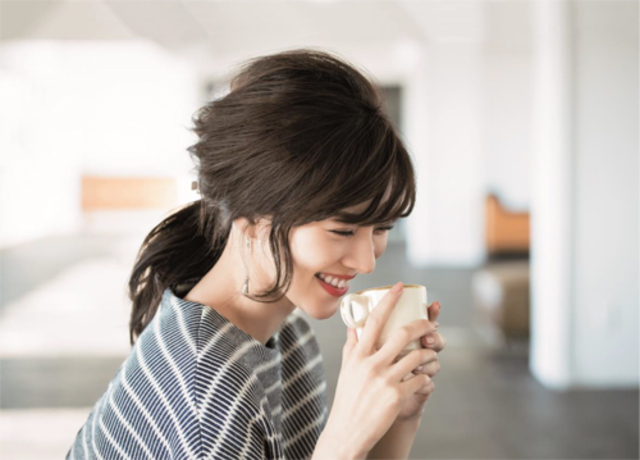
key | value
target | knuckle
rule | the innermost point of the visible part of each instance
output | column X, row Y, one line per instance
column 357, row 350
column 434, row 368
column 429, row 355
column 369, row 367
column 374, row 365
column 395, row 396
column 369, row 375
column 404, row 334
column 415, row 356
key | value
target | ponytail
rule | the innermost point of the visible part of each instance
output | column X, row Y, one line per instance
column 179, row 248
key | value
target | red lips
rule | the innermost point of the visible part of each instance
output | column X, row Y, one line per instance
column 340, row 277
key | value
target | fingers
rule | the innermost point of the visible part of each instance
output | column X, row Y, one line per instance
column 406, row 365
column 433, row 311
column 431, row 369
column 438, row 344
column 421, row 384
column 403, row 336
column 378, row 317
column 427, row 389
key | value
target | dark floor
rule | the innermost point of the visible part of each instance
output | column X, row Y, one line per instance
column 486, row 403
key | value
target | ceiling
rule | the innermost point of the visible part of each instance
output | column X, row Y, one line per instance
column 243, row 27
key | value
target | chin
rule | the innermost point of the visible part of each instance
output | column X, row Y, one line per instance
column 323, row 315
column 320, row 313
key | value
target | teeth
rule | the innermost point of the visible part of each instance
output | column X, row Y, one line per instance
column 340, row 284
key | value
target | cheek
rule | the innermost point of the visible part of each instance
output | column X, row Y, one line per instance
column 380, row 246
column 312, row 252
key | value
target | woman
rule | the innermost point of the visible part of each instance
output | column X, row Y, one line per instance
column 301, row 176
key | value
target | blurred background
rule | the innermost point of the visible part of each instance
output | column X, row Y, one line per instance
column 521, row 117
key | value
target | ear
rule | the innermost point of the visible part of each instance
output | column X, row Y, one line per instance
column 244, row 227
column 249, row 229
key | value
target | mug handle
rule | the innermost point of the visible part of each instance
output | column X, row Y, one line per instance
column 347, row 313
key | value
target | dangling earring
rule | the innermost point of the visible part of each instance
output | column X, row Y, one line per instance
column 245, row 286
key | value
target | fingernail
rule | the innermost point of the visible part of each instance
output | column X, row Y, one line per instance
column 436, row 324
column 419, row 368
column 397, row 287
column 430, row 340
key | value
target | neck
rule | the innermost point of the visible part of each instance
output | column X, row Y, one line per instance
column 220, row 289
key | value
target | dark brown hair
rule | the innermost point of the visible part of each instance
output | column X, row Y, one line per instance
column 300, row 136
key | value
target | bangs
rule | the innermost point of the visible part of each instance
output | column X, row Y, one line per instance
column 380, row 172
column 392, row 203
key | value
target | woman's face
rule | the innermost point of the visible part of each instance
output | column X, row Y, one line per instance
column 329, row 247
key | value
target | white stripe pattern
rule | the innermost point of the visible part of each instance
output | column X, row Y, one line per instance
column 174, row 368
column 126, row 424
column 196, row 386
column 163, row 398
column 148, row 419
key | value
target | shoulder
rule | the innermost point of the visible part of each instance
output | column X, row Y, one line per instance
column 296, row 330
column 297, row 323
column 298, row 341
column 233, row 411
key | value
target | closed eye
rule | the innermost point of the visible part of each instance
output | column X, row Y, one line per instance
column 351, row 232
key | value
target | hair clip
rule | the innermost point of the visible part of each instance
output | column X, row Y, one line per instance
column 194, row 186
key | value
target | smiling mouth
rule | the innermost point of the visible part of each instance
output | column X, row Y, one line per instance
column 333, row 282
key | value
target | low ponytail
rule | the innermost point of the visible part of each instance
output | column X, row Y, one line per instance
column 179, row 248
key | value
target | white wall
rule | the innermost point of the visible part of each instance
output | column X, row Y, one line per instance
column 39, row 154
column 445, row 133
column 605, row 260
column 469, row 124
column 453, row 175
column 508, row 105
column 508, row 102
column 585, row 200
column 118, row 108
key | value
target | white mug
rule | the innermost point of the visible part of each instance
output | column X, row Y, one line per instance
column 411, row 306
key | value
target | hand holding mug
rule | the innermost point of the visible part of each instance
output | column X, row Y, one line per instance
column 372, row 389
column 412, row 306
column 414, row 407
column 355, row 308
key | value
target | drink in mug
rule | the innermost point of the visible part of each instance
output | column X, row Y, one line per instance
column 412, row 305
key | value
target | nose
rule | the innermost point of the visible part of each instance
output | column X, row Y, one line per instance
column 362, row 255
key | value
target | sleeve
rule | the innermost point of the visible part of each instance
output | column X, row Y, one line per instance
column 233, row 424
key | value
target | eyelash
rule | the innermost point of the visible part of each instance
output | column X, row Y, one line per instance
column 347, row 234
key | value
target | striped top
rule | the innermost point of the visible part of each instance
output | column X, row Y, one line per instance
column 195, row 386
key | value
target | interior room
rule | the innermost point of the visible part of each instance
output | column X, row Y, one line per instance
column 521, row 118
